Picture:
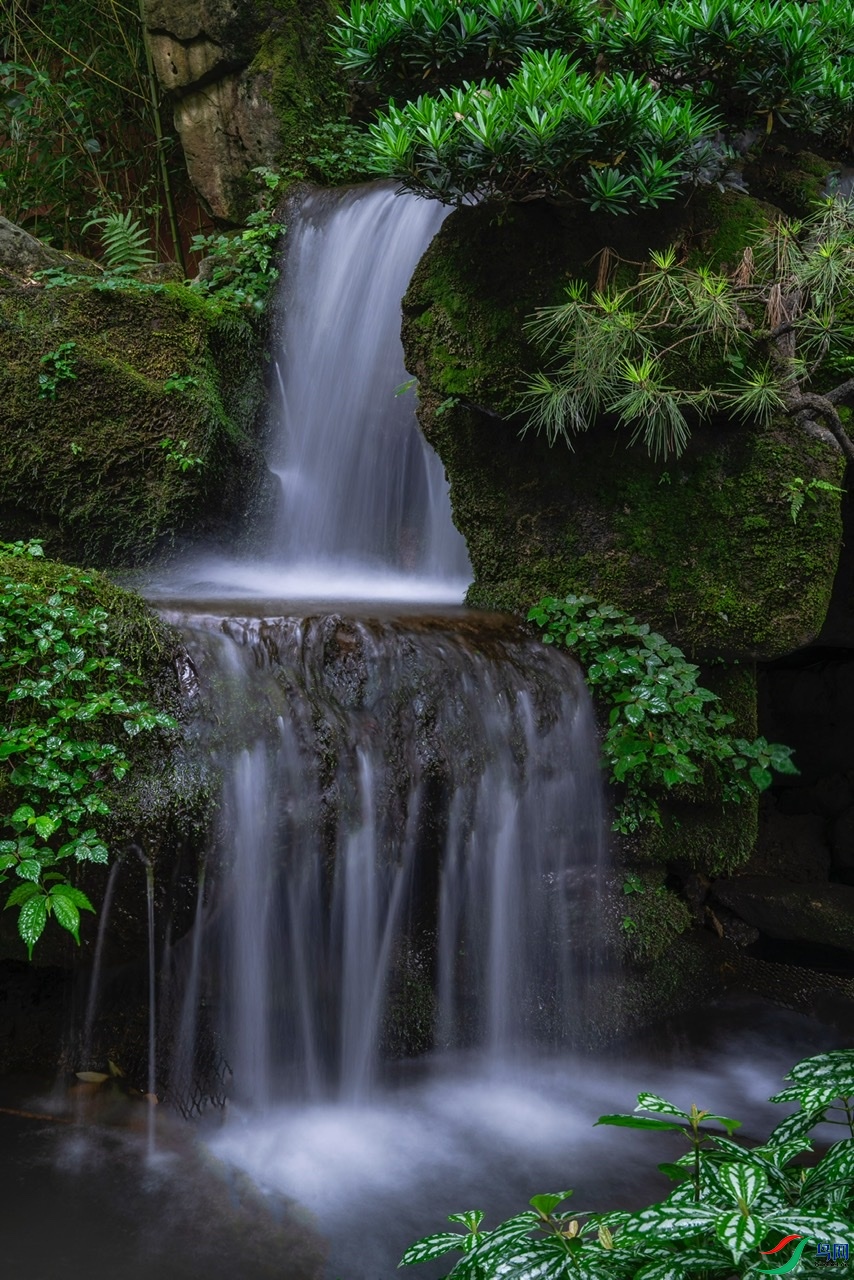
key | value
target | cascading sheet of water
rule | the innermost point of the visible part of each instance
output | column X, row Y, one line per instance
column 362, row 510
column 408, row 804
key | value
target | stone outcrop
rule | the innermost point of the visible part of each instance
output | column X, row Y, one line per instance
column 247, row 82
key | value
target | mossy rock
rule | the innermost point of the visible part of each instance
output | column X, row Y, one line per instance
column 86, row 468
column 703, row 548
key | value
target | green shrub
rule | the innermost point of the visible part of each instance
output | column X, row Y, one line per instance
column 68, row 697
column 732, row 1202
column 664, row 730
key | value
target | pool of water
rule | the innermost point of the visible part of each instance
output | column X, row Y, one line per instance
column 341, row 1189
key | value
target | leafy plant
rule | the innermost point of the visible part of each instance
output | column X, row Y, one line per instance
column 798, row 490
column 178, row 455
column 682, row 343
column 664, row 730
column 618, row 106
column 731, row 1203
column 67, row 697
column 124, row 241
column 56, row 367
column 240, row 269
column 177, row 382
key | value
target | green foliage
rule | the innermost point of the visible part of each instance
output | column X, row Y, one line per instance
column 177, row 454
column 337, row 154
column 684, row 342
column 552, row 130
column 399, row 42
column 712, row 69
column 798, row 490
column 67, row 696
column 664, row 730
column 124, row 241
column 241, row 264
column 56, row 367
column 731, row 1200
column 78, row 126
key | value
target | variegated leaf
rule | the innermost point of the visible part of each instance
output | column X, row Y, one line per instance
column 814, row 1225
column 832, row 1179
column 743, row 1181
column 833, row 1068
column 542, row 1260
column 665, row 1269
column 670, row 1221
column 739, row 1232
column 652, row 1102
column 810, row 1098
column 793, row 1127
column 429, row 1247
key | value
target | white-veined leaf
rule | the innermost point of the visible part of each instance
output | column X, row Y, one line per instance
column 429, row 1247
column 816, row 1226
column 652, row 1102
column 669, row 1221
column 833, row 1068
column 793, row 1127
column 744, row 1181
column 739, row 1232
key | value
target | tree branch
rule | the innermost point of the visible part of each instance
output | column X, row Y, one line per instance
column 807, row 404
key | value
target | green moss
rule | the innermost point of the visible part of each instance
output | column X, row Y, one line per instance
column 704, row 549
column 87, row 471
column 306, row 88
column 653, row 919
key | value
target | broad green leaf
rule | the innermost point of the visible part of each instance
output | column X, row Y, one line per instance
column 815, row 1225
column 46, row 826
column 23, row 814
column 739, row 1232
column 546, row 1203
column 744, row 1181
column 31, row 921
column 640, row 1122
column 29, row 869
column 664, row 1269
column 794, row 1127
column 23, row 893
column 77, row 896
column 67, row 916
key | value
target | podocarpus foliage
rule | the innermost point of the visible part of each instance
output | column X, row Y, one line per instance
column 731, row 1201
column 664, row 730
column 771, row 336
column 618, row 105
column 68, row 697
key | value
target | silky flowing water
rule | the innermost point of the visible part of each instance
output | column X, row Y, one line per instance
column 396, row 948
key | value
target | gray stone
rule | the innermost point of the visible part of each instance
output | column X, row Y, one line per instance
column 226, row 129
column 22, row 253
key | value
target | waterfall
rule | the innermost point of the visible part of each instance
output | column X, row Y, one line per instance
column 402, row 799
column 410, row 829
column 362, row 509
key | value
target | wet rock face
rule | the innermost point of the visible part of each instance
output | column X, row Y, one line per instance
column 809, row 913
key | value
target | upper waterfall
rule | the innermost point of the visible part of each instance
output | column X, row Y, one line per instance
column 362, row 510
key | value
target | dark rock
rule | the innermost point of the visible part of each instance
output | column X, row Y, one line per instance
column 814, row 913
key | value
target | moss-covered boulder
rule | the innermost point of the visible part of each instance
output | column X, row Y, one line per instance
column 127, row 418
column 703, row 548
